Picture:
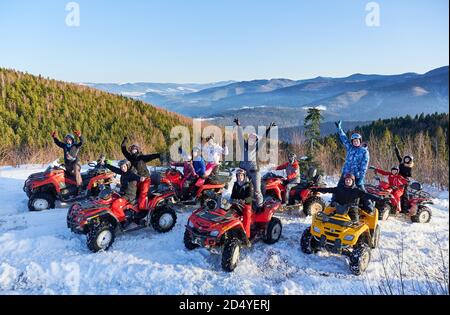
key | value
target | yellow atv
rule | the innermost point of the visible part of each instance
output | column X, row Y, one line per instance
column 333, row 230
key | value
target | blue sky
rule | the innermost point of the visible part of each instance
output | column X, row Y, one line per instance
column 204, row 41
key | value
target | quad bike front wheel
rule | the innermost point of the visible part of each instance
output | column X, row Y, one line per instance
column 423, row 215
column 375, row 237
column 308, row 244
column 41, row 201
column 163, row 219
column 230, row 254
column 100, row 237
column 384, row 211
column 187, row 239
column 273, row 231
column 360, row 259
column 313, row 205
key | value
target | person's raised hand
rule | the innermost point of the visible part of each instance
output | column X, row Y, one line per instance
column 77, row 133
column 53, row 134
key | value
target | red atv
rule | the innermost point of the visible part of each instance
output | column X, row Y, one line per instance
column 220, row 229
column 415, row 208
column 202, row 190
column 44, row 188
column 299, row 196
column 95, row 218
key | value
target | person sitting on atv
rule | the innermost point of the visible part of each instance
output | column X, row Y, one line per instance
column 243, row 192
column 405, row 169
column 249, row 160
column 189, row 174
column 350, row 194
column 198, row 162
column 396, row 181
column 139, row 162
column 213, row 155
column 128, row 189
column 357, row 158
column 292, row 173
column 71, row 161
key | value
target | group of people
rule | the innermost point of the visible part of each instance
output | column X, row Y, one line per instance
column 204, row 160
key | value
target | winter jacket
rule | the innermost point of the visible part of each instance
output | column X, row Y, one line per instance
column 213, row 153
column 292, row 171
column 188, row 169
column 128, row 182
column 356, row 160
column 199, row 166
column 404, row 170
column 139, row 161
column 249, row 158
column 394, row 180
column 243, row 192
column 70, row 151
column 344, row 195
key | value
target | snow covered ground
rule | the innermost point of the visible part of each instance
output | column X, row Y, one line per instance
column 39, row 255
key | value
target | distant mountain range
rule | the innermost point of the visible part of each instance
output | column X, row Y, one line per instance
column 359, row 97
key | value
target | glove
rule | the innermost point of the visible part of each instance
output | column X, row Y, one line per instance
column 77, row 133
column 125, row 139
column 339, row 124
column 237, row 122
column 53, row 134
column 372, row 167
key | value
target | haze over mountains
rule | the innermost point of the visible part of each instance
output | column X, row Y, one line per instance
column 359, row 97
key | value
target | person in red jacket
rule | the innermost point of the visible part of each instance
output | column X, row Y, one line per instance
column 292, row 169
column 396, row 181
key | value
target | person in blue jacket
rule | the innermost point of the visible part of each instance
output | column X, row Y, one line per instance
column 357, row 158
column 198, row 162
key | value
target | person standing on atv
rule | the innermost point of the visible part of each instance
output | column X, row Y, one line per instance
column 349, row 194
column 213, row 155
column 292, row 173
column 139, row 161
column 406, row 165
column 396, row 181
column 71, row 161
column 243, row 191
column 357, row 158
column 250, row 162
column 128, row 188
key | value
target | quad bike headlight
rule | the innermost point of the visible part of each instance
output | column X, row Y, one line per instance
column 214, row 233
column 349, row 237
column 316, row 229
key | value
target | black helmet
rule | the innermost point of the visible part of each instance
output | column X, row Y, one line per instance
column 241, row 171
column 135, row 147
column 125, row 162
column 70, row 136
column 408, row 159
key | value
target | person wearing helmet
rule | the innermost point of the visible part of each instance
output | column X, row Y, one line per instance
column 249, row 149
column 128, row 189
column 406, row 165
column 357, row 156
column 292, row 173
column 71, row 161
column 243, row 192
column 139, row 162
column 347, row 193
column 396, row 181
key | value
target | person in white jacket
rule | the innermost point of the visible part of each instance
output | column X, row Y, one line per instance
column 212, row 153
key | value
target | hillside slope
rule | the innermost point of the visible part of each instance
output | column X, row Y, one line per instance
column 32, row 106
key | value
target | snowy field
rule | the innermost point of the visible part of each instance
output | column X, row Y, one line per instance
column 39, row 255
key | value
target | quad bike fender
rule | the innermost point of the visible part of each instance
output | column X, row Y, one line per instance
column 159, row 200
column 273, row 189
column 207, row 187
column 348, row 236
column 305, row 194
column 101, row 216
